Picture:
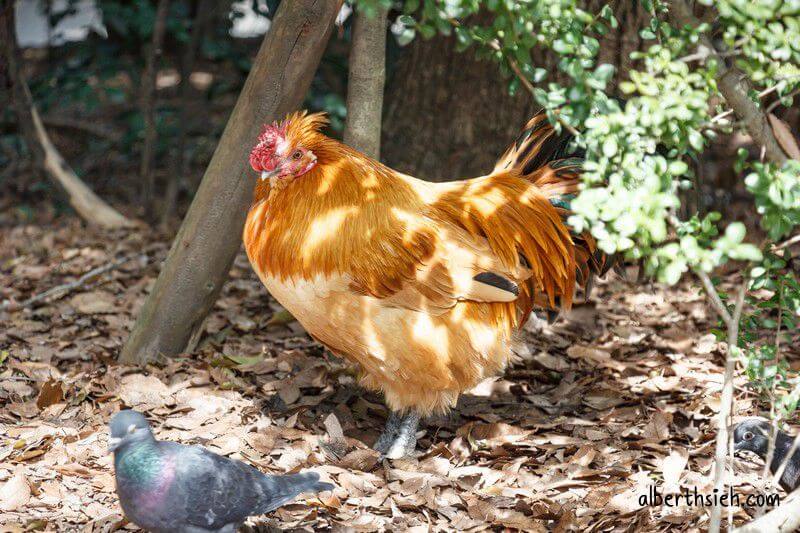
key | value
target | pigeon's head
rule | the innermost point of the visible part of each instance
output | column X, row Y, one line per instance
column 126, row 427
column 752, row 435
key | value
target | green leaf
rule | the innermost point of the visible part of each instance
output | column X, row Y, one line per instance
column 604, row 72
column 735, row 232
column 610, row 147
column 746, row 252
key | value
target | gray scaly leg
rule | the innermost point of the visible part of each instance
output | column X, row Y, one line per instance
column 399, row 439
column 389, row 434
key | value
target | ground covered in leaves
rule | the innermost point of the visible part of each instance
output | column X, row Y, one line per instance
column 614, row 398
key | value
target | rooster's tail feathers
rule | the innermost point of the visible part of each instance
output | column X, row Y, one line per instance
column 545, row 157
column 537, row 145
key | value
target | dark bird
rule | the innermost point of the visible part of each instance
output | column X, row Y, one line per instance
column 170, row 487
column 753, row 435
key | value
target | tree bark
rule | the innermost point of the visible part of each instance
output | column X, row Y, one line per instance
column 449, row 115
column 148, row 96
column 210, row 236
column 365, row 83
column 85, row 202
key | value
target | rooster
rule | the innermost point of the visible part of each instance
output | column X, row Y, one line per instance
column 424, row 286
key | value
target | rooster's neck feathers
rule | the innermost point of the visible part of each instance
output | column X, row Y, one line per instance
column 348, row 213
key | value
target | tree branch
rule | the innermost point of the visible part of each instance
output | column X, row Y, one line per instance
column 735, row 87
column 716, row 301
column 785, row 244
column 726, row 399
column 66, row 288
column 179, row 167
column 85, row 202
column 148, row 97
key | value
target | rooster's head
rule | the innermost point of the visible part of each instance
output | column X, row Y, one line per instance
column 284, row 150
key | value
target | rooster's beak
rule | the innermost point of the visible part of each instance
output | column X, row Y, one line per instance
column 267, row 175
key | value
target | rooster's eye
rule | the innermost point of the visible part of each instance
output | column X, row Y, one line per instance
column 748, row 436
column 296, row 155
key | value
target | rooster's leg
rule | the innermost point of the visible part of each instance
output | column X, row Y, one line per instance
column 399, row 437
column 389, row 433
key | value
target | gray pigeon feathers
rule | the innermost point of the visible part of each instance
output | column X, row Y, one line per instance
column 165, row 486
column 753, row 435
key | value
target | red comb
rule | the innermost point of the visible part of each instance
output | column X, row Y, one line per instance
column 271, row 133
column 262, row 155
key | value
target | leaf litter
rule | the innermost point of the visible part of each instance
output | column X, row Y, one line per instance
column 616, row 396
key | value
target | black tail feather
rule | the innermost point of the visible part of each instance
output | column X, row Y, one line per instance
column 280, row 490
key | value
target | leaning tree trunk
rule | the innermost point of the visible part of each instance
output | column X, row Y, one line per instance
column 85, row 202
column 448, row 115
column 210, row 236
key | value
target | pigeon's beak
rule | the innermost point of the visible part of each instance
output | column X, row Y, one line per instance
column 272, row 173
column 113, row 443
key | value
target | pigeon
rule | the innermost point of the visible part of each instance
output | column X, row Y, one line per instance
column 165, row 486
column 753, row 435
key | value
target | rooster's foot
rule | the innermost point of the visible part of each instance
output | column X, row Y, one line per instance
column 399, row 437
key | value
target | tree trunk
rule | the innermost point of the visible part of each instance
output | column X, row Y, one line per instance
column 148, row 96
column 210, row 236
column 365, row 82
column 85, row 202
column 178, row 164
column 449, row 115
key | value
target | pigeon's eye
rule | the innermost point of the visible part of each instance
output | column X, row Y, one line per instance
column 131, row 428
column 748, row 436
column 297, row 154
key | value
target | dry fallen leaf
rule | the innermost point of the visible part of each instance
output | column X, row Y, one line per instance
column 784, row 136
column 672, row 467
column 496, row 432
column 658, row 427
column 50, row 393
column 281, row 318
column 334, row 427
column 144, row 392
column 602, row 399
column 362, row 459
column 92, row 303
column 289, row 392
column 595, row 356
column 16, row 492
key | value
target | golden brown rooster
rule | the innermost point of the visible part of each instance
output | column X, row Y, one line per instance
column 422, row 285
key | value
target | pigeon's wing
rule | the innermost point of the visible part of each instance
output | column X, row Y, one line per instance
column 212, row 491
